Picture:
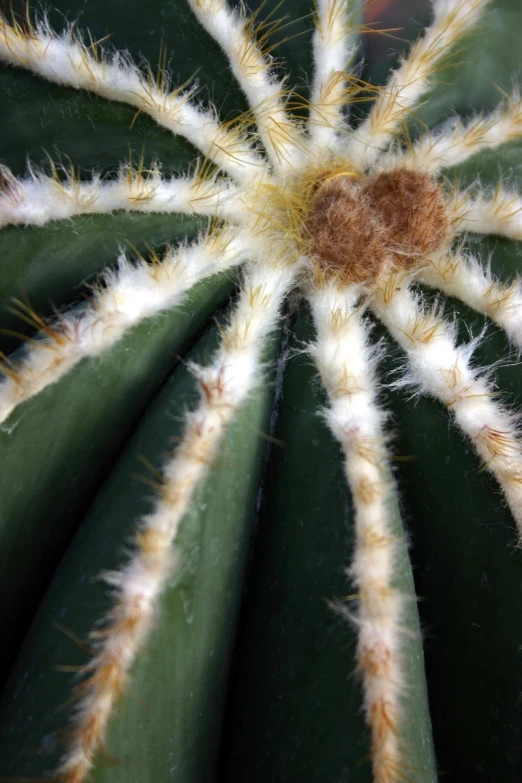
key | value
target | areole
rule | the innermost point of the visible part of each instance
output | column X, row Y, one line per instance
column 358, row 228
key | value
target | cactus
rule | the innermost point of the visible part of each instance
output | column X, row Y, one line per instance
column 200, row 581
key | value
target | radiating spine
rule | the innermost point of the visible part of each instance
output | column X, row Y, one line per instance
column 346, row 363
column 334, row 47
column 440, row 367
column 224, row 385
column 128, row 295
column 66, row 60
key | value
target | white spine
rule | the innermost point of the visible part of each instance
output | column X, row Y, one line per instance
column 38, row 199
column 440, row 367
column 265, row 93
column 346, row 363
column 452, row 146
column 224, row 386
column 482, row 213
column 334, row 46
column 131, row 293
column 407, row 84
column 462, row 276
column 66, row 60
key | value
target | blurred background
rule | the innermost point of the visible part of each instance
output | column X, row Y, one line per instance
column 403, row 19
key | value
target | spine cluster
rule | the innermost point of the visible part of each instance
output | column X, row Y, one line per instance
column 436, row 151
column 481, row 213
column 334, row 46
column 462, row 276
column 251, row 66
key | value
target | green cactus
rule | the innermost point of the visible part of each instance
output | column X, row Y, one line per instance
column 249, row 672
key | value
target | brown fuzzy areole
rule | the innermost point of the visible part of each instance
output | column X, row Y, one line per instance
column 411, row 206
column 358, row 229
column 345, row 235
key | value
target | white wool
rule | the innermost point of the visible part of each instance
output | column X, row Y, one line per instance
column 38, row 198
column 499, row 212
column 130, row 294
column 442, row 368
column 462, row 276
column 233, row 373
column 334, row 46
column 412, row 79
column 460, row 140
column 67, row 61
column 280, row 134
column 346, row 364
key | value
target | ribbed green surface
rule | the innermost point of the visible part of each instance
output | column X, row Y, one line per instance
column 57, row 448
column 168, row 725
column 295, row 655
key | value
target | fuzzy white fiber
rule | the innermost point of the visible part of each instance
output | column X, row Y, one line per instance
column 346, row 362
column 334, row 47
column 459, row 140
column 452, row 19
column 224, row 386
column 440, row 367
column 131, row 293
column 280, row 135
column 482, row 213
column 38, row 198
column 463, row 276
column 68, row 61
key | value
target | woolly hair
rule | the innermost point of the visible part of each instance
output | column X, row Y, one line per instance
column 359, row 228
